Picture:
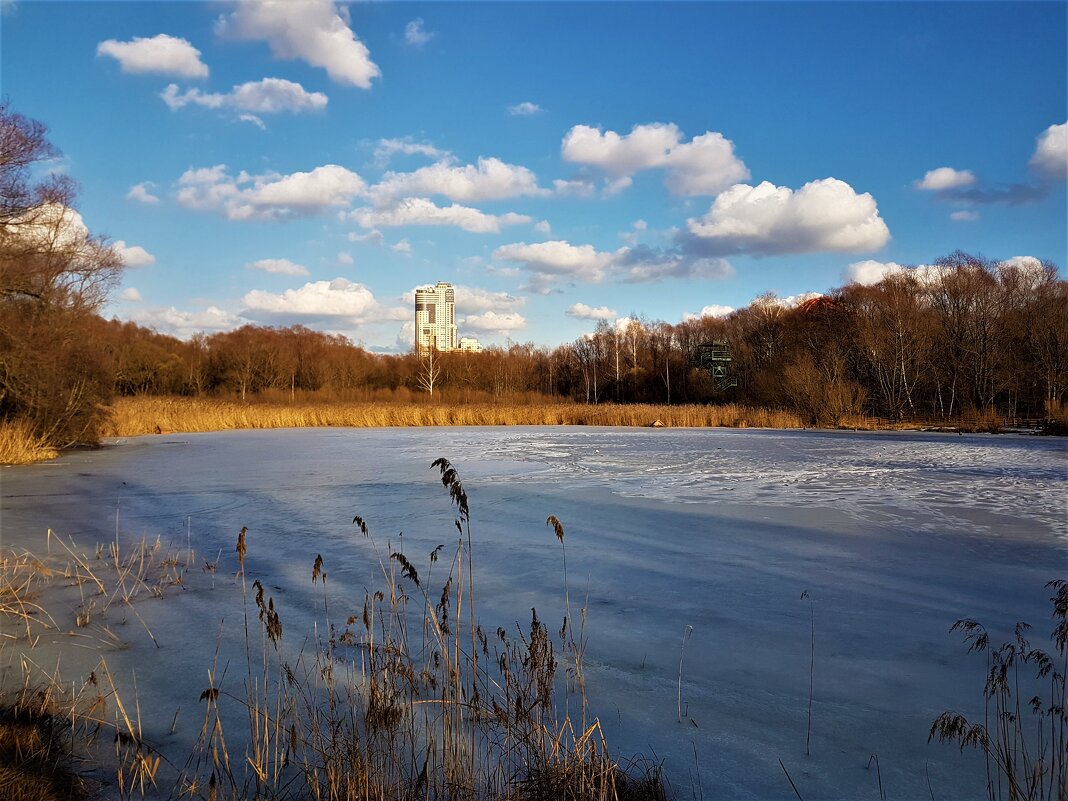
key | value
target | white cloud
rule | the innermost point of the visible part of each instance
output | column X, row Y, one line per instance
column 706, row 165
column 268, row 196
column 490, row 179
column 344, row 258
column 557, row 258
column 387, row 148
column 184, row 323
column 415, row 35
column 574, row 187
column 336, row 302
column 944, row 178
column 267, row 96
column 525, row 109
column 631, row 237
column 140, row 193
column 130, row 295
column 277, row 267
column 252, row 118
column 822, row 216
column 1029, row 269
column 543, row 227
column 715, row 310
column 164, row 54
column 133, row 255
column 311, row 30
column 554, row 260
column 1022, row 263
column 403, row 246
column 1050, row 159
column 496, row 322
column 420, row 211
column 370, row 238
column 581, row 311
column 793, row 301
column 964, row 216
column 641, row 263
column 471, row 300
column 870, row 272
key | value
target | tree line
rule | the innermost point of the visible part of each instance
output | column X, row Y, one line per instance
column 965, row 335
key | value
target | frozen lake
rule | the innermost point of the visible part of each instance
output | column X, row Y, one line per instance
column 893, row 535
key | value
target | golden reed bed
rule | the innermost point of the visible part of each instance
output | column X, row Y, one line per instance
column 136, row 416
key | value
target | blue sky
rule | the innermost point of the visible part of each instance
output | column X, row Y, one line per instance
column 313, row 162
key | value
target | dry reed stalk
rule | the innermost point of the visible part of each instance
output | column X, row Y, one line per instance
column 138, row 416
column 19, row 444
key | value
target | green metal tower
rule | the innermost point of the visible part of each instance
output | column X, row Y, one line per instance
column 716, row 358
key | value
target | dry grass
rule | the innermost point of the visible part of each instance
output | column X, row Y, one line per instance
column 137, row 416
column 20, row 445
column 35, row 763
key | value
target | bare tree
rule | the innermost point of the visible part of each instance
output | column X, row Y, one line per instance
column 54, row 275
column 430, row 367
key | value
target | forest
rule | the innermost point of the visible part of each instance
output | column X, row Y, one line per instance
column 965, row 336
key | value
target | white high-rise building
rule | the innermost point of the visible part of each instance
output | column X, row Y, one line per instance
column 435, row 317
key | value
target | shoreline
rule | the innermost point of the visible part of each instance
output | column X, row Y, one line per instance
column 134, row 417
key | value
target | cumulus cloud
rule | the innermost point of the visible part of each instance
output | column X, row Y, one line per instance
column 1050, row 159
column 964, row 215
column 473, row 300
column 641, row 263
column 415, row 35
column 344, row 258
column 403, row 246
column 822, row 216
column 133, row 255
column 631, row 236
column 581, row 311
column 339, row 302
column 793, row 301
column 267, row 96
column 870, row 272
column 496, row 322
column 140, row 194
column 714, row 310
column 706, row 165
column 386, row 149
column 964, row 187
column 574, row 187
column 420, row 211
column 184, row 324
column 161, row 53
column 370, row 238
column 1022, row 263
column 556, row 260
column 313, row 31
column 943, row 178
column 270, row 196
column 543, row 227
column 490, row 179
column 130, row 295
column 277, row 267
column 1032, row 271
column 525, row 109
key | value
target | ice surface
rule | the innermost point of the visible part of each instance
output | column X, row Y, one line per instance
column 894, row 536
